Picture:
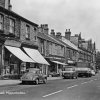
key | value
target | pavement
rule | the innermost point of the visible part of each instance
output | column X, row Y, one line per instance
column 15, row 82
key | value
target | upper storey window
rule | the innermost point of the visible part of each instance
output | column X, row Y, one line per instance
column 12, row 26
column 1, row 22
column 27, row 32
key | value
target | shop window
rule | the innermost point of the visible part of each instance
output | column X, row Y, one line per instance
column 1, row 22
column 12, row 26
column 27, row 32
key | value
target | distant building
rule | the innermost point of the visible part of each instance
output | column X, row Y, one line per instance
column 71, row 49
column 87, row 49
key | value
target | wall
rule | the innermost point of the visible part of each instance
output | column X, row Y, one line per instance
column 56, row 50
column 2, row 3
column 33, row 33
column 7, row 24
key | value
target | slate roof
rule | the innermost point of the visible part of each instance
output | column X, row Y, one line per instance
column 49, row 38
column 62, row 42
column 69, row 43
column 16, row 16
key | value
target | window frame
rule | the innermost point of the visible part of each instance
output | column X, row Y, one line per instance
column 42, row 46
column 27, row 33
column 2, row 22
column 11, row 25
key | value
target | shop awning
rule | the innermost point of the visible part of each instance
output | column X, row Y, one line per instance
column 36, row 56
column 19, row 54
column 59, row 63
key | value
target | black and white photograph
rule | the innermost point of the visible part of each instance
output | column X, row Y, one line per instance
column 49, row 49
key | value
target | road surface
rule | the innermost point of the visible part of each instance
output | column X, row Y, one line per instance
column 62, row 89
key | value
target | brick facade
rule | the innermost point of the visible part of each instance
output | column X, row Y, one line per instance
column 2, row 3
column 15, row 39
column 33, row 32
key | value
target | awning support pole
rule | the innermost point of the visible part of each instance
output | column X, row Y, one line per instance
column 57, row 68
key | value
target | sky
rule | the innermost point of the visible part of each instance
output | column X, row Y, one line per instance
column 78, row 15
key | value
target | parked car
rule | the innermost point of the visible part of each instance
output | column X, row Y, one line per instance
column 34, row 75
column 93, row 72
column 54, row 74
column 84, row 71
column 69, row 72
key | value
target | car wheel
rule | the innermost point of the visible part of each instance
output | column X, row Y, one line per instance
column 37, row 81
column 72, row 77
column 23, row 82
column 64, row 77
column 76, row 77
column 45, row 81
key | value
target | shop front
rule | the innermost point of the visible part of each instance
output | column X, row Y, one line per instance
column 56, row 66
column 38, row 58
column 15, row 60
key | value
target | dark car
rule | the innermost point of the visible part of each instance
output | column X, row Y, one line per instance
column 69, row 72
column 34, row 75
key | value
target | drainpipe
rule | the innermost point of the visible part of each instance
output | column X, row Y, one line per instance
column 46, row 69
column 2, row 60
column 57, row 68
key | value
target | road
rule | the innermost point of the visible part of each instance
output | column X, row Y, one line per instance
column 62, row 89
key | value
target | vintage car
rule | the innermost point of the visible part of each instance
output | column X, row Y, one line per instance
column 93, row 72
column 34, row 75
column 69, row 72
column 84, row 72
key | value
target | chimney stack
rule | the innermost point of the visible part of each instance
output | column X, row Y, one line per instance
column 43, row 28
column 76, row 35
column 58, row 35
column 67, row 34
column 6, row 4
column 52, row 33
column 10, row 7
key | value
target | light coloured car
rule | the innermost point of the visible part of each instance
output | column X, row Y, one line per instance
column 34, row 75
column 93, row 72
column 69, row 72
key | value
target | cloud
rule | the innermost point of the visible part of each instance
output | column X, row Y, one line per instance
column 79, row 15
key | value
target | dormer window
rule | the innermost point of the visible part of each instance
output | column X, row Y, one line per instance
column 27, row 32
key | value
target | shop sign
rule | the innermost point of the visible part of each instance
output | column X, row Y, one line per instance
column 12, row 43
